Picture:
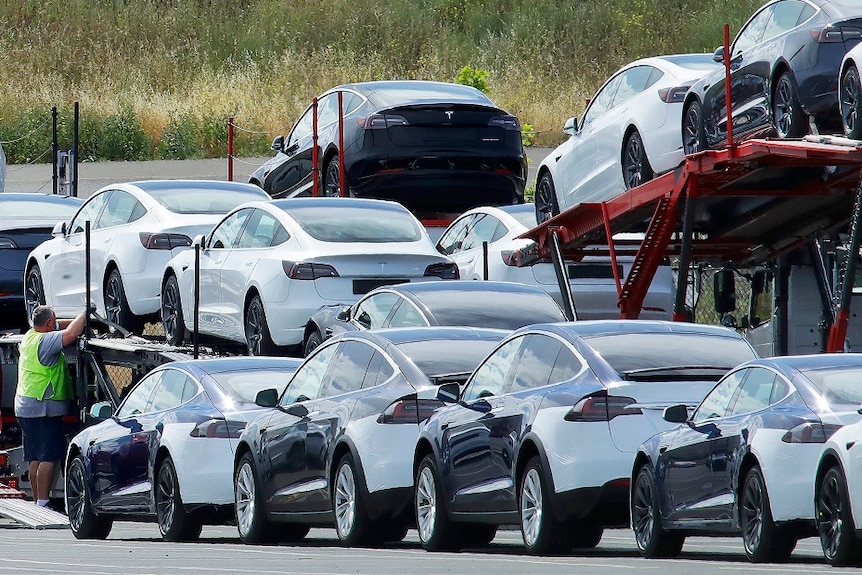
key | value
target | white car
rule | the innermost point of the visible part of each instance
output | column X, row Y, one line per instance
column 593, row 286
column 268, row 266
column 850, row 93
column 135, row 228
column 628, row 133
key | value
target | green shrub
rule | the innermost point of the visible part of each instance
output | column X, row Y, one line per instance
column 476, row 78
column 179, row 140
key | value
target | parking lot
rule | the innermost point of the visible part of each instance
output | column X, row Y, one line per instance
column 137, row 549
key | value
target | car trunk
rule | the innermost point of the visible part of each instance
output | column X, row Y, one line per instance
column 449, row 125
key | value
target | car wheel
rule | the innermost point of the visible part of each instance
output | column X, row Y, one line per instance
column 636, row 166
column 117, row 306
column 540, row 529
column 545, row 199
column 788, row 118
column 651, row 538
column 835, row 521
column 761, row 538
column 257, row 335
column 172, row 312
column 251, row 520
column 478, row 534
column 693, row 134
column 34, row 291
column 850, row 103
column 331, row 176
column 436, row 530
column 83, row 520
column 175, row 523
column 585, row 534
column 352, row 523
column 314, row 340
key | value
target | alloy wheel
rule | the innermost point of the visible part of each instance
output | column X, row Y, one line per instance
column 426, row 504
column 170, row 310
column 634, row 162
column 345, row 500
column 691, row 129
column 531, row 507
column 784, row 110
column 245, row 498
column 752, row 514
column 76, row 496
column 113, row 300
column 34, row 294
column 254, row 329
column 850, row 101
column 165, row 498
column 642, row 512
column 830, row 524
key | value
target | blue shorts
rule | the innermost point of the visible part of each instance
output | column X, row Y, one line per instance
column 44, row 438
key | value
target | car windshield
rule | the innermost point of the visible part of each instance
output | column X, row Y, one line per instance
column 481, row 309
column 37, row 209
column 244, row 384
column 659, row 356
column 838, row 385
column 181, row 200
column 442, row 357
column 347, row 224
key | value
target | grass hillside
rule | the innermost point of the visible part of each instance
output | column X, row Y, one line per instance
column 159, row 78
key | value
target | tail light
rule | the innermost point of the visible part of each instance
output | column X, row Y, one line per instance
column 507, row 122
column 384, row 121
column 8, row 244
column 834, row 33
column 601, row 408
column 673, row 95
column 409, row 411
column 4, row 459
column 810, row 432
column 308, row 270
column 11, row 483
column 447, row 271
column 219, row 428
column 164, row 241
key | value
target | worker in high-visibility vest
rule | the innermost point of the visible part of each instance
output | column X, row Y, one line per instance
column 44, row 395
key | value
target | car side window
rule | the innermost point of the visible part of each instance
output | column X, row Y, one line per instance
column 302, row 129
column 372, row 311
column 752, row 33
column 350, row 102
column 138, row 399
column 348, row 368
column 482, row 229
column 89, row 211
column 602, row 101
column 122, row 208
column 785, row 17
column 379, row 370
column 633, row 83
column 450, row 242
column 260, row 231
column 406, row 315
column 227, row 233
column 308, row 379
column 173, row 387
column 535, row 363
column 492, row 376
column 280, row 235
column 327, row 110
column 717, row 401
column 755, row 391
column 566, row 366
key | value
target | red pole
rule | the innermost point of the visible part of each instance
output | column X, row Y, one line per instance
column 230, row 149
column 315, row 160
column 342, row 185
column 728, row 103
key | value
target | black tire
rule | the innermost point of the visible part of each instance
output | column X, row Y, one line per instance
column 788, row 118
column 393, row 532
column 257, row 337
column 436, row 531
column 251, row 520
column 475, row 535
column 835, row 524
column 117, row 306
column 175, row 523
column 540, row 529
column 651, row 538
column 331, row 178
column 850, row 102
column 352, row 524
column 545, row 199
column 289, row 532
column 761, row 538
column 636, row 166
column 693, row 133
column 172, row 312
column 585, row 534
column 83, row 520
column 315, row 338
column 34, row 291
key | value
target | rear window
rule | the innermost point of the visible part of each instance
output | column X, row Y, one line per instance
column 245, row 384
column 693, row 61
column 442, row 357
column 32, row 209
column 659, row 356
column 203, row 201
column 355, row 224
column 473, row 309
column 838, row 385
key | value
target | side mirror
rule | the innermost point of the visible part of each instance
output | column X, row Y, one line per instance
column 724, row 285
column 675, row 414
column 571, row 126
column 297, row 410
column 59, row 229
column 343, row 314
column 266, row 398
column 101, row 410
column 718, row 55
column 449, row 392
column 278, row 143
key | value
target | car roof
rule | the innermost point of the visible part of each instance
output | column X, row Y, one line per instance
column 601, row 327
column 286, row 203
column 391, row 93
column 401, row 335
column 225, row 364
column 813, row 361
column 162, row 185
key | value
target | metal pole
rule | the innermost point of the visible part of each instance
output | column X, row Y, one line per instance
column 342, row 184
column 197, row 308
column 230, row 149
column 87, row 327
column 563, row 277
column 727, row 90
column 838, row 334
column 315, row 153
column 485, row 260
column 679, row 313
column 54, row 148
column 75, row 152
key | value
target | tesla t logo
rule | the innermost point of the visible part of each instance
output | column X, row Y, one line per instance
column 449, row 114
